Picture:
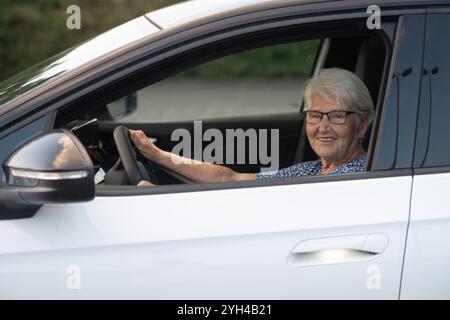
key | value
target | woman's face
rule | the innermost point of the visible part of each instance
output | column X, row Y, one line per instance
column 334, row 142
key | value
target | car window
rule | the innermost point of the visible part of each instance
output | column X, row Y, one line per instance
column 241, row 84
column 247, row 97
column 395, row 142
column 433, row 143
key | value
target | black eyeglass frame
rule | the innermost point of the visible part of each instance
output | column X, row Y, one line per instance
column 326, row 113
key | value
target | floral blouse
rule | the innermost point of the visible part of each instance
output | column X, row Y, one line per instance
column 313, row 168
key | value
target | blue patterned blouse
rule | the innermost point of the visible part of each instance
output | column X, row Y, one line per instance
column 313, row 168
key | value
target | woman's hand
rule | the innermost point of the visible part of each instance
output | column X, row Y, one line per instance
column 144, row 144
column 145, row 183
column 193, row 170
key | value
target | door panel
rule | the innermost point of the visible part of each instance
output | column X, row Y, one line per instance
column 228, row 244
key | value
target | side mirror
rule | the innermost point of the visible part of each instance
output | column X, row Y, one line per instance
column 52, row 168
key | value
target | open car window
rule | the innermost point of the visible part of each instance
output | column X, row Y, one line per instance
column 233, row 86
column 254, row 91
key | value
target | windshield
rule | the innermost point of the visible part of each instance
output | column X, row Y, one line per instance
column 74, row 58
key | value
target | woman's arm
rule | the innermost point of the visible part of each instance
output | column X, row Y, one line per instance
column 191, row 169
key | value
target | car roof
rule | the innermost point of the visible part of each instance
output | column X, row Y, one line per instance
column 189, row 11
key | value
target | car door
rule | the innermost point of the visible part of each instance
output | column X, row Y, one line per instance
column 307, row 237
column 427, row 258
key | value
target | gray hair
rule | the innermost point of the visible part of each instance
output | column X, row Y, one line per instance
column 343, row 85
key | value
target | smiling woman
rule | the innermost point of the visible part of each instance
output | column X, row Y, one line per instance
column 338, row 112
column 338, row 140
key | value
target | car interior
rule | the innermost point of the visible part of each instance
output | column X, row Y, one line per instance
column 94, row 124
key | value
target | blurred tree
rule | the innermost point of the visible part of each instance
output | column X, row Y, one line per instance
column 289, row 60
column 32, row 30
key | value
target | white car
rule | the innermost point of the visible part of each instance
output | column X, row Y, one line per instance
column 73, row 225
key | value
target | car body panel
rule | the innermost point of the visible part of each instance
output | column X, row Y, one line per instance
column 186, row 246
column 427, row 257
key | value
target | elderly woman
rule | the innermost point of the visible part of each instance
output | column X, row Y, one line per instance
column 338, row 112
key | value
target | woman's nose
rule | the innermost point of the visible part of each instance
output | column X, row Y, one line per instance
column 324, row 123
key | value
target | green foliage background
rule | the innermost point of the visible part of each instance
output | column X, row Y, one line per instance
column 289, row 60
column 33, row 30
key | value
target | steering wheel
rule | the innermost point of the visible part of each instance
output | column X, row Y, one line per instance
column 135, row 170
column 136, row 166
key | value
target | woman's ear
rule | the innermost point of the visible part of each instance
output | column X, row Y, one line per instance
column 363, row 125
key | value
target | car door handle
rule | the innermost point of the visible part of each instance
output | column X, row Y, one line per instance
column 344, row 249
column 154, row 140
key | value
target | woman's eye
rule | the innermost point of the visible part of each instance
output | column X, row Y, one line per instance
column 338, row 116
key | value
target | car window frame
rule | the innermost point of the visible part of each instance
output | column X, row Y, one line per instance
column 406, row 114
column 114, row 75
column 132, row 190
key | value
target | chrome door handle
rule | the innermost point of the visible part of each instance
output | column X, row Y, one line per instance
column 344, row 249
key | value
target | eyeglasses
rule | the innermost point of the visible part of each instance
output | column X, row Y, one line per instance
column 335, row 117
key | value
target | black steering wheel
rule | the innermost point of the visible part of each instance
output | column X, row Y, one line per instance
column 135, row 169
column 136, row 166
